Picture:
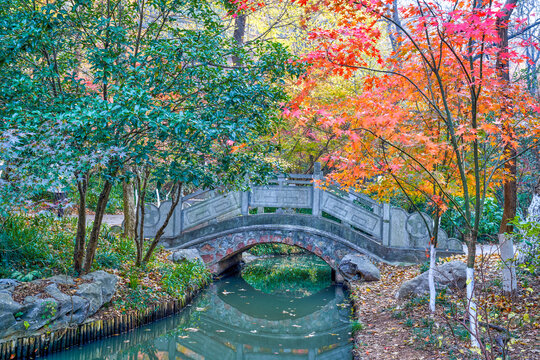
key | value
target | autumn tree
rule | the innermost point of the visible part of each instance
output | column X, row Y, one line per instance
column 428, row 120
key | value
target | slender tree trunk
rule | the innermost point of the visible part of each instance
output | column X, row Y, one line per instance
column 128, row 190
column 96, row 228
column 239, row 32
column 432, row 259
column 510, row 169
column 431, row 280
column 142, row 184
column 471, row 301
column 176, row 199
column 80, row 237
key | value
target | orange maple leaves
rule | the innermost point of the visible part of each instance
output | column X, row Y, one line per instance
column 427, row 99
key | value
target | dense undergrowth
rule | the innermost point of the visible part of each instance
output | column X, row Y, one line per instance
column 275, row 249
column 36, row 247
column 296, row 276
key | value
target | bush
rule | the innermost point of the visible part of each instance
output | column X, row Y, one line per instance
column 114, row 250
column 275, row 249
column 35, row 245
column 180, row 279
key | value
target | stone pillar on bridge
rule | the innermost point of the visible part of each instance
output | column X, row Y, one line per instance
column 244, row 203
column 317, row 176
column 385, row 224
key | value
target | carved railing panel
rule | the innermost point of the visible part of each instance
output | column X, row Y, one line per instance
column 282, row 197
column 352, row 214
column 212, row 209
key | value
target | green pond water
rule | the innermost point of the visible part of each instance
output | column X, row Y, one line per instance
column 278, row 308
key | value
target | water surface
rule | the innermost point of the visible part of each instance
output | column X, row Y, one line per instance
column 301, row 317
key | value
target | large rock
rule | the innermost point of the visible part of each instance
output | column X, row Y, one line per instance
column 62, row 279
column 106, row 281
column 39, row 312
column 99, row 291
column 7, row 305
column 185, row 254
column 358, row 267
column 8, row 310
column 450, row 275
column 54, row 308
column 8, row 285
column 71, row 308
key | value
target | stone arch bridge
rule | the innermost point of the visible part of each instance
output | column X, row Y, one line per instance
column 331, row 223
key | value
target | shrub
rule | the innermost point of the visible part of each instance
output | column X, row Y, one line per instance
column 275, row 249
column 179, row 279
column 35, row 245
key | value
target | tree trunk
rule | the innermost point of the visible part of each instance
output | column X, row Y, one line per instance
column 239, row 32
column 142, row 185
column 510, row 168
column 431, row 280
column 470, row 239
column 128, row 190
column 432, row 259
column 80, row 237
column 96, row 228
column 506, row 246
column 176, row 199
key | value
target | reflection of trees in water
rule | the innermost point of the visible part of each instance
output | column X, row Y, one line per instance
column 233, row 320
column 297, row 276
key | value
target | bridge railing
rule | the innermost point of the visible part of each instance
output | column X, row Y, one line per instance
column 300, row 193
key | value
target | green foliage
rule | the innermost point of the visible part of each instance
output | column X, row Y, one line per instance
column 180, row 279
column 133, row 280
column 114, row 251
column 275, row 249
column 356, row 326
column 297, row 276
column 31, row 247
column 166, row 99
column 136, row 298
column 115, row 203
column 452, row 220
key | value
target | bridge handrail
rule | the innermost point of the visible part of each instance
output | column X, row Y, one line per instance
column 390, row 226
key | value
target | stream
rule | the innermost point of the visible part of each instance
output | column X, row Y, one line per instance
column 278, row 308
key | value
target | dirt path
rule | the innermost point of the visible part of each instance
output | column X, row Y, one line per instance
column 111, row 220
column 383, row 336
column 405, row 330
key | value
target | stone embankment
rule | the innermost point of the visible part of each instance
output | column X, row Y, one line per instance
column 53, row 303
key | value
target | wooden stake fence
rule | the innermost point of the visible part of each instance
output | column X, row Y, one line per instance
column 35, row 346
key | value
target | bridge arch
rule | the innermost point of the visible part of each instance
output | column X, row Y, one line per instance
column 221, row 244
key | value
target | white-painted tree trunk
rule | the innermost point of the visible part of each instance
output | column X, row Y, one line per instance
column 158, row 199
column 431, row 280
column 506, row 247
column 471, row 305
